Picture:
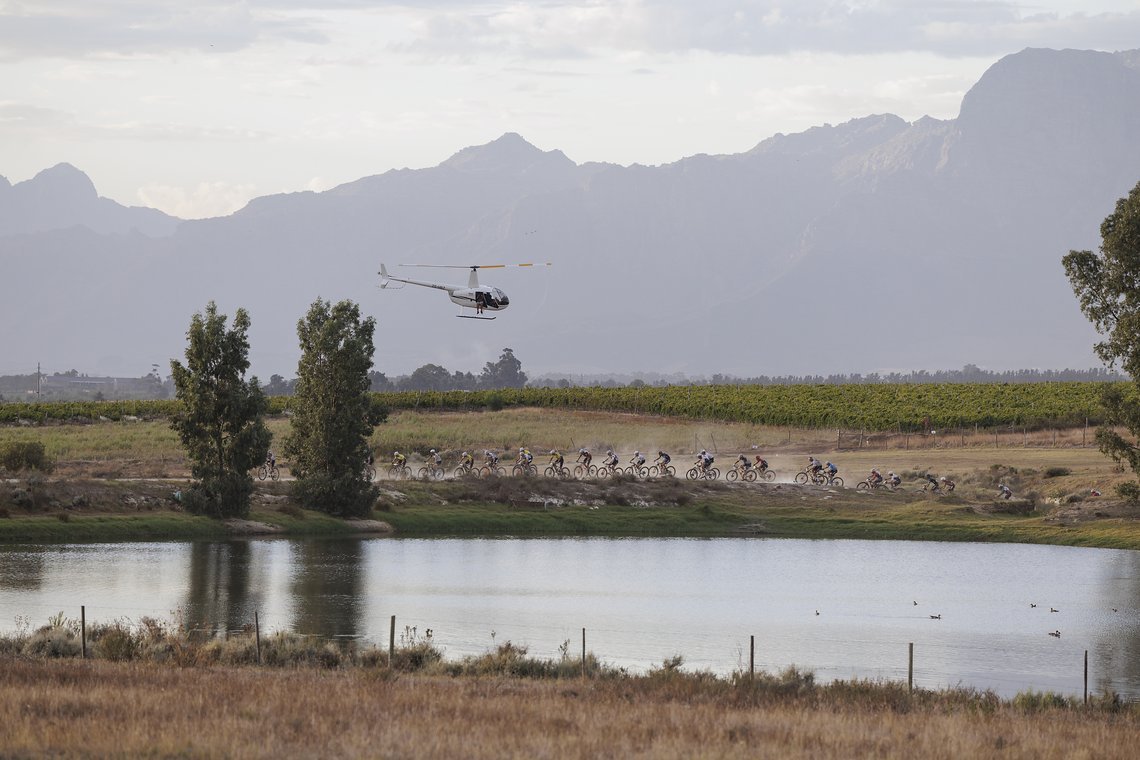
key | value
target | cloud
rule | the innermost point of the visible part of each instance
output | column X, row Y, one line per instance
column 579, row 28
column 108, row 28
column 26, row 120
column 206, row 199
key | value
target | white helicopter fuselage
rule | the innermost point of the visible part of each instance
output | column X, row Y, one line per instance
column 488, row 299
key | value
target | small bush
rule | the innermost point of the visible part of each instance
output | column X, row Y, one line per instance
column 24, row 455
column 113, row 642
column 53, row 642
column 1035, row 701
column 1129, row 491
column 63, row 517
column 1057, row 472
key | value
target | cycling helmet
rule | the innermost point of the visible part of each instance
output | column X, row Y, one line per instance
column 395, row 453
column 637, row 453
column 660, row 453
column 943, row 478
column 610, row 451
column 553, row 452
column 521, row 448
column 463, row 454
column 432, row 451
column 875, row 471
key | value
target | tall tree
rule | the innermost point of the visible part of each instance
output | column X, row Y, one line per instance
column 220, row 423
column 505, row 373
column 332, row 411
column 1108, row 288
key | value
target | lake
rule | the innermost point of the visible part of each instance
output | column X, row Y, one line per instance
column 640, row 600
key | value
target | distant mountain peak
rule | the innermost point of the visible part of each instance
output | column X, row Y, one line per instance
column 510, row 152
column 63, row 179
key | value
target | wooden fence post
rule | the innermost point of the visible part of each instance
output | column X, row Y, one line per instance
column 83, row 630
column 392, row 641
column 583, row 653
column 751, row 657
column 1086, row 678
column 910, row 668
column 257, row 635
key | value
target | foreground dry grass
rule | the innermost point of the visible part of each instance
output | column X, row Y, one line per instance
column 69, row 708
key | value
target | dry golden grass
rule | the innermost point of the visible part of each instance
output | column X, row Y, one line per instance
column 69, row 708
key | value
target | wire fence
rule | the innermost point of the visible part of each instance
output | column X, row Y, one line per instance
column 999, row 665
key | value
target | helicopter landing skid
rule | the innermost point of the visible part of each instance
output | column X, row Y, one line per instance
column 472, row 316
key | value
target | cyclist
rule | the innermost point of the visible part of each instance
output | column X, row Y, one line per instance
column 875, row 478
column 662, row 459
column 370, row 460
column 556, row 459
column 491, row 458
column 638, row 459
column 814, row 465
column 436, row 459
column 947, row 483
column 398, row 459
column 743, row 462
column 466, row 461
column 585, row 457
column 611, row 459
column 525, row 457
column 1003, row 491
column 832, row 471
column 270, row 459
column 705, row 460
column 932, row 483
column 761, row 463
column 893, row 480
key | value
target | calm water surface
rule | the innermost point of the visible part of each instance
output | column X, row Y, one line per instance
column 640, row 600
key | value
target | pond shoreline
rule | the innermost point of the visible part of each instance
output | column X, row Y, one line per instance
column 86, row 510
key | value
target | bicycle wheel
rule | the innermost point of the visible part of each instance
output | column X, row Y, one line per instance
column 670, row 470
column 768, row 476
column 580, row 471
column 551, row 472
column 750, row 476
column 714, row 473
column 862, row 485
column 423, row 473
column 801, row 478
column 262, row 472
column 693, row 473
column 274, row 473
column 731, row 475
column 837, row 482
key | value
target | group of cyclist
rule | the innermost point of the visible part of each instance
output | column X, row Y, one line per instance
column 817, row 471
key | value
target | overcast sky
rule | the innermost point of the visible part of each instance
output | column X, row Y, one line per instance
column 196, row 106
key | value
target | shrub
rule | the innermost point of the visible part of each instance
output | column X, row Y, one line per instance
column 1129, row 491
column 24, row 455
column 113, row 642
column 1057, row 472
column 53, row 642
column 1035, row 701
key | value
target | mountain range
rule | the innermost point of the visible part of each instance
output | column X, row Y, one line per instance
column 873, row 245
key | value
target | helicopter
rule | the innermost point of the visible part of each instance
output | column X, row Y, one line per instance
column 472, row 296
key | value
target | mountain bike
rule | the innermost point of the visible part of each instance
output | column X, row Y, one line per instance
column 748, row 475
column 268, row 471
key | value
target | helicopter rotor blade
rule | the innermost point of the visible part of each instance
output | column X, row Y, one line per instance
column 479, row 266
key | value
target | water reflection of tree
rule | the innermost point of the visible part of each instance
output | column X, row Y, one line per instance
column 219, row 597
column 21, row 569
column 1117, row 655
column 328, row 587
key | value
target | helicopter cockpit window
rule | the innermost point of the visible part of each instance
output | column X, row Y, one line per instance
column 500, row 296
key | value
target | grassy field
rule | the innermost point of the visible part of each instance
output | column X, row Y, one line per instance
column 114, row 480
column 66, row 708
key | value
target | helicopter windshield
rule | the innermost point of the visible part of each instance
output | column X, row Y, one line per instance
column 500, row 296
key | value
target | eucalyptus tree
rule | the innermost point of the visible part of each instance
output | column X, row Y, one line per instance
column 333, row 414
column 1107, row 284
column 220, row 421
